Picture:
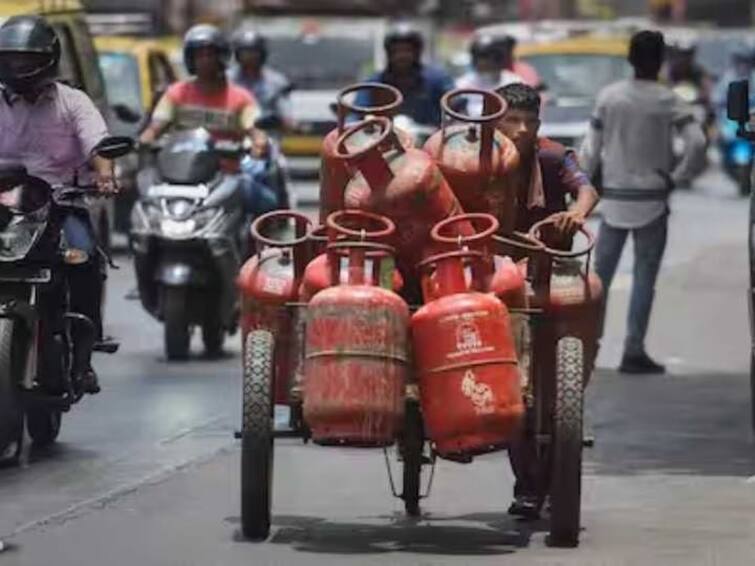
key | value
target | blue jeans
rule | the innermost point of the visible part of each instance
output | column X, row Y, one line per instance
column 258, row 183
column 78, row 234
column 649, row 245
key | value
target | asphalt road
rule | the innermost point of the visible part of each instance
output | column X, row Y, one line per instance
column 147, row 472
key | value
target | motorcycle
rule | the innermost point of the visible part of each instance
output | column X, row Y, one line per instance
column 40, row 365
column 736, row 155
column 188, row 239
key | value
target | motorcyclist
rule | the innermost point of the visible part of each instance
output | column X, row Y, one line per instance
column 487, row 71
column 52, row 130
column 683, row 68
column 208, row 100
column 272, row 91
column 742, row 60
column 509, row 62
column 421, row 85
column 270, row 88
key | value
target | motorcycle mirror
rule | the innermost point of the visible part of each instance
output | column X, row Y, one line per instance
column 114, row 147
column 738, row 102
column 126, row 114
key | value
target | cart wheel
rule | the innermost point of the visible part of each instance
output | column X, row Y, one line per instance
column 413, row 442
column 566, row 473
column 257, row 435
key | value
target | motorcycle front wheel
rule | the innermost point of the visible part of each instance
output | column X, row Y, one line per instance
column 176, row 327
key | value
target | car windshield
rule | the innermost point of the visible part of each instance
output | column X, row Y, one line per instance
column 578, row 75
column 322, row 62
column 121, row 74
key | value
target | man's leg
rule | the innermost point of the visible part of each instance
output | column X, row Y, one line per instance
column 649, row 245
column 85, row 287
column 608, row 250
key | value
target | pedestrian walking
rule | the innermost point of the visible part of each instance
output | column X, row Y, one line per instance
column 629, row 146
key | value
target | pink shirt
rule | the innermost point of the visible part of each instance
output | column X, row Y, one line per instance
column 52, row 136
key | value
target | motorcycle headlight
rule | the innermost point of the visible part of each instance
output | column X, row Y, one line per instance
column 189, row 227
column 20, row 235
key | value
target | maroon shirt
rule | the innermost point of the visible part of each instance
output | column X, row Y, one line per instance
column 560, row 175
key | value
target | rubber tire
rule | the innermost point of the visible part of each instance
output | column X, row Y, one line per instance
column 566, row 473
column 213, row 338
column 176, row 328
column 412, row 443
column 257, row 448
column 43, row 425
column 11, row 412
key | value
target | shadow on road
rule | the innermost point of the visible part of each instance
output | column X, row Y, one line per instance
column 479, row 534
column 672, row 424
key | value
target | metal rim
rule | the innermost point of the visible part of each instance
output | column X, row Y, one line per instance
column 535, row 233
column 263, row 220
column 341, row 152
column 520, row 240
column 436, row 235
column 333, row 221
column 398, row 99
column 445, row 104
column 456, row 254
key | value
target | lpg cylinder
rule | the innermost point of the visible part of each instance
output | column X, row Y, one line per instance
column 333, row 173
column 570, row 292
column 476, row 159
column 350, row 225
column 356, row 360
column 401, row 183
column 465, row 357
column 269, row 280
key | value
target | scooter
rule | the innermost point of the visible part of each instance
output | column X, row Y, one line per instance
column 736, row 155
column 40, row 365
column 187, row 239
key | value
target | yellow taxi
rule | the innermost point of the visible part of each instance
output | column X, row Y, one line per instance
column 572, row 71
column 78, row 62
column 137, row 72
column 78, row 67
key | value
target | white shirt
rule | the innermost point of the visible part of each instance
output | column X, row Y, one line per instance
column 473, row 79
column 630, row 137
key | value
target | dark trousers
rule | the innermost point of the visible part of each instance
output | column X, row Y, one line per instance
column 649, row 245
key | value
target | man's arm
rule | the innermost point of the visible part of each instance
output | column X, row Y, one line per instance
column 585, row 196
column 90, row 130
column 162, row 118
column 592, row 146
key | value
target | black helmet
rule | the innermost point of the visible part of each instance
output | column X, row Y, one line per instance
column 205, row 35
column 251, row 40
column 486, row 46
column 404, row 32
column 28, row 35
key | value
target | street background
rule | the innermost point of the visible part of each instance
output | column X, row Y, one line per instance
column 147, row 472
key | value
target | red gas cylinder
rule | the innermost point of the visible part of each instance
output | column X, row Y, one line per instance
column 357, row 357
column 477, row 160
column 269, row 280
column 464, row 354
column 401, row 183
column 349, row 225
column 333, row 173
column 569, row 291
